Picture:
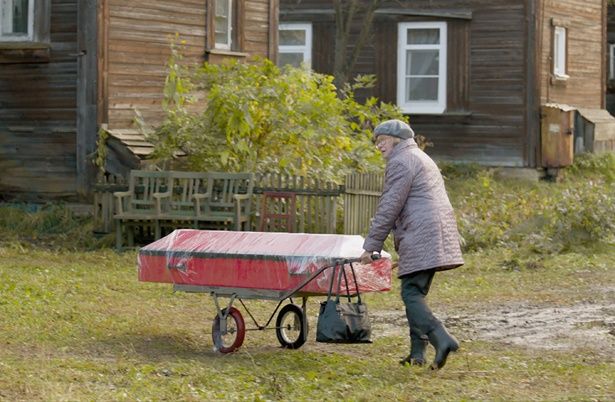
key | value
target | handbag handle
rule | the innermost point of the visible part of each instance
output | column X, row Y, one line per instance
column 356, row 284
column 339, row 282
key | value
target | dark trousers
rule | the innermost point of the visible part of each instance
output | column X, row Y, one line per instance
column 414, row 288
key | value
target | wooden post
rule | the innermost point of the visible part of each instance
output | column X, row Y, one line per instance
column 87, row 47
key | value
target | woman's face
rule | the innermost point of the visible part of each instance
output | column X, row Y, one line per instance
column 385, row 144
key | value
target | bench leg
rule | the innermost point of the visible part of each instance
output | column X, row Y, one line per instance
column 118, row 235
column 157, row 230
column 130, row 231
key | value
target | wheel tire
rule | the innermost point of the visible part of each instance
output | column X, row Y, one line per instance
column 235, row 332
column 290, row 327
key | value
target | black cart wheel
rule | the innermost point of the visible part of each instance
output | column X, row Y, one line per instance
column 229, row 339
column 290, row 327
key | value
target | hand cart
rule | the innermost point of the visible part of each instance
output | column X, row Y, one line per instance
column 258, row 265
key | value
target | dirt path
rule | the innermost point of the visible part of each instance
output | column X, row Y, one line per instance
column 584, row 325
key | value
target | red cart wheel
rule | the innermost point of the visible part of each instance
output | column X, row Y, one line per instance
column 290, row 328
column 229, row 339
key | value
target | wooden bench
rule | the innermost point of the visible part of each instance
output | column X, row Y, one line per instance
column 227, row 201
column 173, row 199
column 137, row 206
column 178, row 202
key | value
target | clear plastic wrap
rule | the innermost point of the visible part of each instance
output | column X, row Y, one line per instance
column 261, row 261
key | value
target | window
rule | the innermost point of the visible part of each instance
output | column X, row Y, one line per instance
column 16, row 20
column 559, row 52
column 421, row 69
column 611, row 61
column 295, row 44
column 223, row 23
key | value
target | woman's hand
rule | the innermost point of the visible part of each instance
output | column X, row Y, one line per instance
column 366, row 257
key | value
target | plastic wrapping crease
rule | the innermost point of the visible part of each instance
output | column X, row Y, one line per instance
column 258, row 260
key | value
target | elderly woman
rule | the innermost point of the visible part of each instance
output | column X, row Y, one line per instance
column 415, row 207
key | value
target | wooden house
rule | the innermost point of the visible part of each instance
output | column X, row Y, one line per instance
column 610, row 78
column 497, row 82
column 71, row 67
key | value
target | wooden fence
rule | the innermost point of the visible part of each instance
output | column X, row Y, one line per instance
column 361, row 195
column 104, row 201
column 316, row 200
column 318, row 203
column 316, row 206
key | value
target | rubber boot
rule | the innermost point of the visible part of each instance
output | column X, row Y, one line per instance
column 444, row 343
column 418, row 344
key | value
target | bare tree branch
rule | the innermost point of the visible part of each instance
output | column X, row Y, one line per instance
column 345, row 14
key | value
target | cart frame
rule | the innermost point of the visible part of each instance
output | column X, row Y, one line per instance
column 236, row 331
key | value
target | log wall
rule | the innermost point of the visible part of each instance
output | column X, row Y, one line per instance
column 586, row 64
column 38, row 114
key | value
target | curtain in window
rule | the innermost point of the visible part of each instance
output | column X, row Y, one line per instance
column 422, row 65
column 14, row 17
column 222, row 22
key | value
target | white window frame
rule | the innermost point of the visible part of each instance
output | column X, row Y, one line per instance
column 229, row 27
column 559, row 51
column 611, row 61
column 421, row 107
column 5, row 11
column 305, row 49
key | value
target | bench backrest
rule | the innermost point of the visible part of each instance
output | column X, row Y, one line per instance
column 223, row 186
column 144, row 183
column 185, row 185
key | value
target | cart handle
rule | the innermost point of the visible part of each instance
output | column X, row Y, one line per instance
column 375, row 257
column 342, row 262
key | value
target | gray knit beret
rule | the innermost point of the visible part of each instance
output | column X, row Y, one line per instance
column 394, row 128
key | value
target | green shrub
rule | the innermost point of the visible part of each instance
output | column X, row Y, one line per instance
column 539, row 217
column 451, row 171
column 582, row 214
column 256, row 117
column 598, row 166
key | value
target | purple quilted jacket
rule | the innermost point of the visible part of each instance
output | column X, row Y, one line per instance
column 415, row 206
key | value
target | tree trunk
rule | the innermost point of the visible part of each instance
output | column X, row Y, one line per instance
column 346, row 11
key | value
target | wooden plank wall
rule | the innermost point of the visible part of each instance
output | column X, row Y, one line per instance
column 138, row 38
column 38, row 116
column 256, row 28
column 486, row 117
column 585, row 62
column 139, row 35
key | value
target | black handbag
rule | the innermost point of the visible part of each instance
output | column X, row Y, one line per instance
column 343, row 322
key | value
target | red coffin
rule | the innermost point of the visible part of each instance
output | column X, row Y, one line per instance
column 258, row 261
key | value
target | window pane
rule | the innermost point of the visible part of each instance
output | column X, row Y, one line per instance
column 294, row 59
column 222, row 8
column 421, row 89
column 611, row 61
column 20, row 16
column 14, row 16
column 221, row 30
column 423, row 62
column 424, row 36
column 292, row 37
column 559, row 51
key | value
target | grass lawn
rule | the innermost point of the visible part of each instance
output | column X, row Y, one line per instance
column 79, row 326
column 533, row 308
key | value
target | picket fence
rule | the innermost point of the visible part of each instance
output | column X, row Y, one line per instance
column 320, row 206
